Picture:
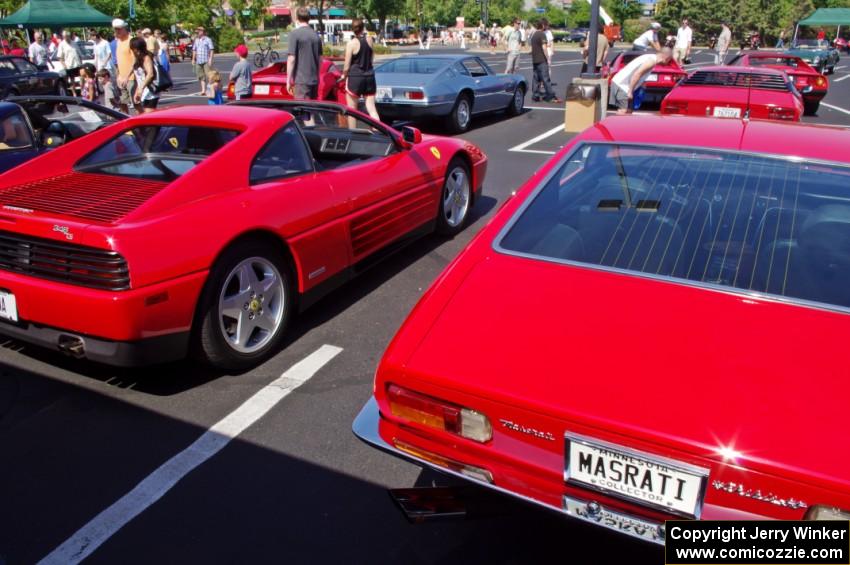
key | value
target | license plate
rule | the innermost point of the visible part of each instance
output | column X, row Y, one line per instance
column 727, row 112
column 652, row 78
column 623, row 523
column 8, row 306
column 636, row 476
column 261, row 89
column 384, row 93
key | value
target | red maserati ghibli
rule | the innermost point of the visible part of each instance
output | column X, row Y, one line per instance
column 662, row 79
column 810, row 83
column 270, row 83
column 735, row 92
column 646, row 330
column 204, row 229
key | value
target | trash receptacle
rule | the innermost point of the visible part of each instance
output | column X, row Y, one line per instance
column 584, row 104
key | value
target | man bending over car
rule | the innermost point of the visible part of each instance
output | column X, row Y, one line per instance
column 631, row 77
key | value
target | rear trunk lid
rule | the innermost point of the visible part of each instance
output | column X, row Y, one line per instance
column 658, row 361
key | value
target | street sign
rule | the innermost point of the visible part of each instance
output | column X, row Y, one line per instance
column 540, row 10
column 246, row 12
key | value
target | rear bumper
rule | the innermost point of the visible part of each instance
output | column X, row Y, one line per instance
column 161, row 349
column 370, row 427
column 135, row 327
column 395, row 111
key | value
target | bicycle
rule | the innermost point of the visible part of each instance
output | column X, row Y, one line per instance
column 263, row 53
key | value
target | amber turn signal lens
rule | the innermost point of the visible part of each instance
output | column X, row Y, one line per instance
column 439, row 414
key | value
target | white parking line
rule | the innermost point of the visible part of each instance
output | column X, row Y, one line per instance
column 521, row 148
column 836, row 108
column 154, row 486
column 845, row 77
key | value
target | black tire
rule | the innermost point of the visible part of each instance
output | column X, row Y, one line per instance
column 273, row 56
column 811, row 108
column 60, row 89
column 451, row 224
column 832, row 70
column 209, row 344
column 517, row 102
column 462, row 109
column 259, row 60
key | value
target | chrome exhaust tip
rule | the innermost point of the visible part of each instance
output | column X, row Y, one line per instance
column 72, row 346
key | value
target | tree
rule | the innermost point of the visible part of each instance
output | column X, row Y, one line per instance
column 9, row 7
column 579, row 14
column 376, row 10
column 622, row 10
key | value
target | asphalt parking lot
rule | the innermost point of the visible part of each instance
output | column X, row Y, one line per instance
column 176, row 464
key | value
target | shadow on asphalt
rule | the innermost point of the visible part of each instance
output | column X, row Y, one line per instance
column 247, row 504
column 175, row 378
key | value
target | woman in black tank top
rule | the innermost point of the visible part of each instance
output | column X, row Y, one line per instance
column 358, row 71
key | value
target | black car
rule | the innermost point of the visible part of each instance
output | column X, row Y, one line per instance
column 19, row 76
column 31, row 125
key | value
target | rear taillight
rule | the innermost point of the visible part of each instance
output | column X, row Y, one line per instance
column 470, row 471
column 414, row 95
column 820, row 82
column 231, row 90
column 277, row 89
column 821, row 512
column 675, row 108
column 781, row 114
column 438, row 414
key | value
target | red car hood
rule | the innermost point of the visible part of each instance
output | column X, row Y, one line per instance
column 689, row 367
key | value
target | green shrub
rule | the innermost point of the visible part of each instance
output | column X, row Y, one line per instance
column 632, row 29
column 381, row 50
column 228, row 38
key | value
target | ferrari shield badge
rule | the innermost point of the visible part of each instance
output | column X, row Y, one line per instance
column 173, row 141
column 435, row 152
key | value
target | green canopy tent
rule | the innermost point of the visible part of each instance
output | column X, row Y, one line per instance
column 55, row 14
column 826, row 17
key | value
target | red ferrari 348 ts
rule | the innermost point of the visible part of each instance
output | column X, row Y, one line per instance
column 270, row 83
column 206, row 228
column 736, row 92
column 810, row 83
column 649, row 329
column 659, row 83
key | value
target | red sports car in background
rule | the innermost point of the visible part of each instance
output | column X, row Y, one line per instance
column 206, row 228
column 653, row 327
column 662, row 79
column 810, row 83
column 735, row 92
column 270, row 82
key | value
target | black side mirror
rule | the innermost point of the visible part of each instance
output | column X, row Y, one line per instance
column 411, row 135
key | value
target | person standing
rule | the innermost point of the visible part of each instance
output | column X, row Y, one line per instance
column 542, row 84
column 102, row 52
column 684, row 38
column 145, row 71
column 723, row 42
column 780, row 43
column 305, row 55
column 625, row 83
column 202, row 57
column 37, row 51
column 358, row 71
column 240, row 74
column 151, row 42
column 71, row 60
column 125, row 61
column 648, row 39
column 513, row 40
column 602, row 48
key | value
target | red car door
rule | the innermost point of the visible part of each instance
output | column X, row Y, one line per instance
column 386, row 197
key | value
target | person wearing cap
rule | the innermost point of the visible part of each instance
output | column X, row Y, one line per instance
column 648, row 39
column 240, row 74
column 202, row 57
column 151, row 42
column 723, row 42
column 125, row 62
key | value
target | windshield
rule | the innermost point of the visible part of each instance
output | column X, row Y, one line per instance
column 415, row 65
column 744, row 222
column 811, row 43
column 156, row 152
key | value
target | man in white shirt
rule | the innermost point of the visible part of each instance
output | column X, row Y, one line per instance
column 632, row 76
column 68, row 54
column 684, row 38
column 37, row 51
column 102, row 52
column 648, row 39
column 723, row 42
